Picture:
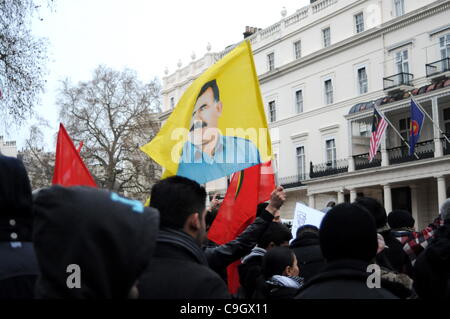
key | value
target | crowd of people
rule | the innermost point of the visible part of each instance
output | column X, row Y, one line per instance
column 82, row 242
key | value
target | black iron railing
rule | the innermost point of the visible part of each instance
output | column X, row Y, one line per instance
column 362, row 161
column 445, row 145
column 438, row 67
column 400, row 154
column 329, row 168
column 397, row 80
column 292, row 181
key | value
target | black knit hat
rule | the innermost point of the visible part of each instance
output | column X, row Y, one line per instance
column 375, row 209
column 16, row 206
column 400, row 218
column 348, row 231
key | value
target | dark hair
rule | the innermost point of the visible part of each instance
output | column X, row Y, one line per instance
column 276, row 233
column 276, row 260
column 375, row 209
column 177, row 198
column 331, row 204
column 260, row 208
column 213, row 85
column 306, row 229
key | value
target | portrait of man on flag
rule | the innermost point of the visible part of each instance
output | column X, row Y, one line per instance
column 208, row 152
column 219, row 125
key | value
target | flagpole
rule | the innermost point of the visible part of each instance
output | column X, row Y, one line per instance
column 395, row 130
column 423, row 110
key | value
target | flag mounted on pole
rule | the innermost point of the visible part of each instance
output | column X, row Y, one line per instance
column 379, row 125
column 417, row 117
column 70, row 169
column 219, row 125
column 247, row 189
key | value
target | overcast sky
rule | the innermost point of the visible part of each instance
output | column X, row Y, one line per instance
column 143, row 35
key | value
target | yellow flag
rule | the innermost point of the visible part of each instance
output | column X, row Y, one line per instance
column 218, row 126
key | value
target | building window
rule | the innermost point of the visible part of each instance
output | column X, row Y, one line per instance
column 328, row 92
column 272, row 111
column 401, row 61
column 326, row 37
column 172, row 102
column 444, row 46
column 399, row 7
column 299, row 101
column 403, row 126
column 359, row 22
column 298, row 49
column 362, row 81
column 331, row 152
column 301, row 162
column 271, row 61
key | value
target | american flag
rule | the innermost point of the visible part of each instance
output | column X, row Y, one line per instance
column 379, row 125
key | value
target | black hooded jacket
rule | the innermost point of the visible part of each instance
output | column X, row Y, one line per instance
column 309, row 255
column 18, row 266
column 432, row 267
column 110, row 238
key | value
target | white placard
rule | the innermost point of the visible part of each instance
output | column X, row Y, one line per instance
column 305, row 215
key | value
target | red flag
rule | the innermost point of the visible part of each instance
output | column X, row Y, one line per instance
column 69, row 167
column 247, row 189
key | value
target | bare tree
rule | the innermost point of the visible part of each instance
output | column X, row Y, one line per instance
column 38, row 162
column 22, row 58
column 114, row 114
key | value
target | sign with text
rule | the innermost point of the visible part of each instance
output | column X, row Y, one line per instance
column 305, row 215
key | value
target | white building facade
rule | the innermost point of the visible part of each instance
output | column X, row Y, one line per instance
column 8, row 148
column 320, row 71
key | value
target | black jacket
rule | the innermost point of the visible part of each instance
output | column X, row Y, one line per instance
column 220, row 257
column 18, row 264
column 432, row 267
column 309, row 255
column 250, row 273
column 110, row 239
column 397, row 259
column 179, row 270
column 343, row 279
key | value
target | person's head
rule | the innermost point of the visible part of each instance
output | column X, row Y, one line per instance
column 348, row 231
column 16, row 206
column 375, row 208
column 276, row 234
column 306, row 230
column 445, row 210
column 331, row 204
column 262, row 207
column 205, row 116
column 94, row 237
column 181, row 204
column 280, row 261
column 400, row 219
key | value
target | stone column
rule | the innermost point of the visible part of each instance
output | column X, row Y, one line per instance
column 442, row 195
column 352, row 195
column 436, row 134
column 340, row 196
column 415, row 205
column 384, row 152
column 387, row 198
column 312, row 200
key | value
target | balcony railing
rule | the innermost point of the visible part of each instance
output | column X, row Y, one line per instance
column 400, row 154
column 292, row 181
column 397, row 80
column 438, row 67
column 445, row 145
column 362, row 161
column 329, row 168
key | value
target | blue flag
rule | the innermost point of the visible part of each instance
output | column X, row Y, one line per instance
column 417, row 117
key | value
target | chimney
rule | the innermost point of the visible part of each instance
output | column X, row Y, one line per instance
column 249, row 31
